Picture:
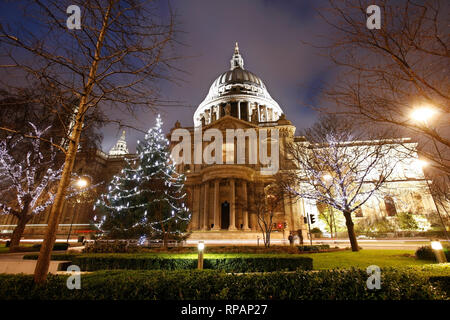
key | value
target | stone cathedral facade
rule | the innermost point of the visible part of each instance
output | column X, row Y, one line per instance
column 220, row 196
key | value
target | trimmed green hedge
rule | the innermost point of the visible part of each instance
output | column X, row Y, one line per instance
column 426, row 253
column 319, row 247
column 58, row 246
column 208, row 284
column 242, row 263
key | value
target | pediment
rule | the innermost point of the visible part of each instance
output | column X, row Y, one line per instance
column 230, row 122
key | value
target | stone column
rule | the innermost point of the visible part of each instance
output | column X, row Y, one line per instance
column 266, row 113
column 232, row 205
column 216, row 204
column 196, row 207
column 253, row 218
column 249, row 111
column 201, row 205
column 205, row 207
column 239, row 108
column 245, row 207
column 259, row 112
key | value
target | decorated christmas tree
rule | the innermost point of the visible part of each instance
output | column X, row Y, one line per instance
column 146, row 200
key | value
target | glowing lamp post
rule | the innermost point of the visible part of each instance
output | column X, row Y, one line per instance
column 438, row 251
column 423, row 114
column 81, row 184
column 201, row 247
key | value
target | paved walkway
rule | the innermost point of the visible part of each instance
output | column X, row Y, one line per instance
column 13, row 263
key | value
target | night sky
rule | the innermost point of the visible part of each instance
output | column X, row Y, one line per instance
column 270, row 35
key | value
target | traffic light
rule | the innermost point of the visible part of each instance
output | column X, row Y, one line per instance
column 280, row 225
column 305, row 220
column 312, row 218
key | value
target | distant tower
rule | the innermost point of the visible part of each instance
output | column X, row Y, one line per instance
column 120, row 148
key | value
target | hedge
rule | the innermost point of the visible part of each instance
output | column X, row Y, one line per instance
column 122, row 247
column 319, row 247
column 58, row 246
column 242, row 263
column 213, row 285
column 426, row 253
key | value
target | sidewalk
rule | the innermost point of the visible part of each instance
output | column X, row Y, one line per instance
column 13, row 263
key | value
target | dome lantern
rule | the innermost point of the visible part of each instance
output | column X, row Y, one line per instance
column 237, row 61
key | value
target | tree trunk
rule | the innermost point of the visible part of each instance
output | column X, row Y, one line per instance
column 267, row 242
column 351, row 230
column 165, row 240
column 18, row 232
column 41, row 270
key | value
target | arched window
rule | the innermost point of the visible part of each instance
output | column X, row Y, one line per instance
column 418, row 203
column 358, row 213
column 390, row 206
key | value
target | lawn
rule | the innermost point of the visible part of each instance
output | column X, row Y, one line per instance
column 321, row 261
column 365, row 258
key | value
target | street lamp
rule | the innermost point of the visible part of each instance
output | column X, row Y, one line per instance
column 423, row 114
column 201, row 247
column 438, row 251
column 81, row 183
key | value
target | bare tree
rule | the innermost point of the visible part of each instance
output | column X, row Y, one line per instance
column 396, row 76
column 336, row 169
column 267, row 201
column 115, row 59
column 40, row 105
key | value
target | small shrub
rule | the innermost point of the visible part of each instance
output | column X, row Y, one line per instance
column 314, row 248
column 426, row 253
column 116, row 246
column 58, row 246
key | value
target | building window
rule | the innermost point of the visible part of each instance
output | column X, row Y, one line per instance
column 359, row 213
column 419, row 208
column 390, row 206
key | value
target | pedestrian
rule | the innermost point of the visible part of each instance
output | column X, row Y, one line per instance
column 300, row 236
column 291, row 239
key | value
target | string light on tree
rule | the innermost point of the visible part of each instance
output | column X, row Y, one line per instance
column 148, row 195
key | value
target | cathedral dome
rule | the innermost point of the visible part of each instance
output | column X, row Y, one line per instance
column 237, row 80
column 237, row 84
